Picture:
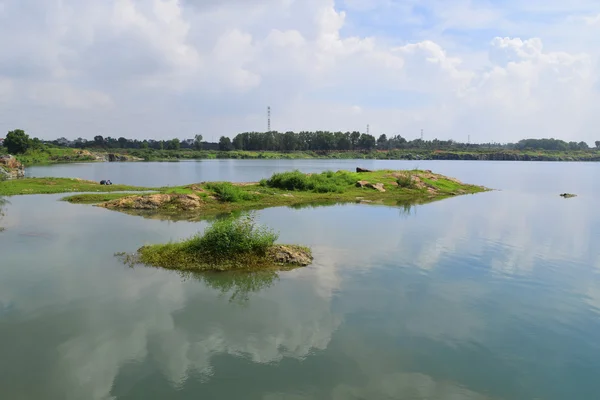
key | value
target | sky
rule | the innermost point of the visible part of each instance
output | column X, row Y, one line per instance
column 495, row 70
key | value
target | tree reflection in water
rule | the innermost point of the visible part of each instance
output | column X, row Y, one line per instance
column 238, row 285
column 3, row 202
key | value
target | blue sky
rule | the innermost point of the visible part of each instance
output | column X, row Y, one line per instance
column 497, row 70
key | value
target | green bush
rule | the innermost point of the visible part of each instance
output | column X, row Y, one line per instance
column 225, row 191
column 325, row 182
column 231, row 237
column 406, row 182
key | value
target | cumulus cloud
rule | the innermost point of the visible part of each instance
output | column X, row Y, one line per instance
column 166, row 68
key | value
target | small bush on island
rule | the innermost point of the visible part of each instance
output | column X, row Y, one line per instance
column 406, row 181
column 227, row 237
column 225, row 191
column 325, row 182
column 227, row 244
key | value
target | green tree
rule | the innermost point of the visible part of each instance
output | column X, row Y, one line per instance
column 225, row 144
column 290, row 141
column 173, row 144
column 342, row 141
column 198, row 142
column 366, row 142
column 354, row 136
column 382, row 142
column 17, row 141
column 597, row 143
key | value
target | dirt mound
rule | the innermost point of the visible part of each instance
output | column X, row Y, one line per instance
column 155, row 201
column 291, row 255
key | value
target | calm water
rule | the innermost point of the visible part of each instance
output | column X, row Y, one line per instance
column 491, row 296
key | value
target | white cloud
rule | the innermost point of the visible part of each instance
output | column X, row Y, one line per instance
column 188, row 65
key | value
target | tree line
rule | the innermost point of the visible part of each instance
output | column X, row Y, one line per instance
column 18, row 141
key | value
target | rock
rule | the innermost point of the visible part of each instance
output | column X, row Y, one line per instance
column 568, row 195
column 11, row 168
column 292, row 255
column 359, row 169
column 287, row 195
column 376, row 186
column 367, row 184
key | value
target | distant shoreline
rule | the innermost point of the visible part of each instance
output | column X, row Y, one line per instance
column 68, row 155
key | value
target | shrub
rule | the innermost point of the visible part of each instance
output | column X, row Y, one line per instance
column 325, row 182
column 225, row 191
column 406, row 181
column 230, row 237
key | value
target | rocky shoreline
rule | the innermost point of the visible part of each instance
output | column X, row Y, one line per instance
column 11, row 168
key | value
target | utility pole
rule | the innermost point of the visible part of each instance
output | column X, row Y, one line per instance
column 269, row 119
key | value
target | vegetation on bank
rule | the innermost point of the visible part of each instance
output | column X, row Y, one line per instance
column 394, row 154
column 291, row 145
column 227, row 244
column 58, row 185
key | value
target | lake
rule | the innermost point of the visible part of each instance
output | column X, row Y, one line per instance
column 487, row 296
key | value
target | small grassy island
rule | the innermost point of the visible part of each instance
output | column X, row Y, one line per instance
column 288, row 189
column 228, row 244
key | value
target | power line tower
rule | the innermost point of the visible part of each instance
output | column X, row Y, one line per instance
column 367, row 129
column 269, row 119
column 421, row 134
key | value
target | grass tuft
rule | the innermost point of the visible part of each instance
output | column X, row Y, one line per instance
column 326, row 182
column 227, row 192
column 406, row 181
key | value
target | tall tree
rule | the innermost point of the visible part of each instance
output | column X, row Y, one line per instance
column 382, row 142
column 17, row 141
column 173, row 144
column 225, row 144
column 198, row 142
column 366, row 142
column 354, row 136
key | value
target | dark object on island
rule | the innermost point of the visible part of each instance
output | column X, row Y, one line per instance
column 359, row 169
column 567, row 195
column 103, row 182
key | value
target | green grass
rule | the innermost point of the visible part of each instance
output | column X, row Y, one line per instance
column 227, row 244
column 58, row 185
column 227, row 192
column 94, row 198
column 53, row 155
